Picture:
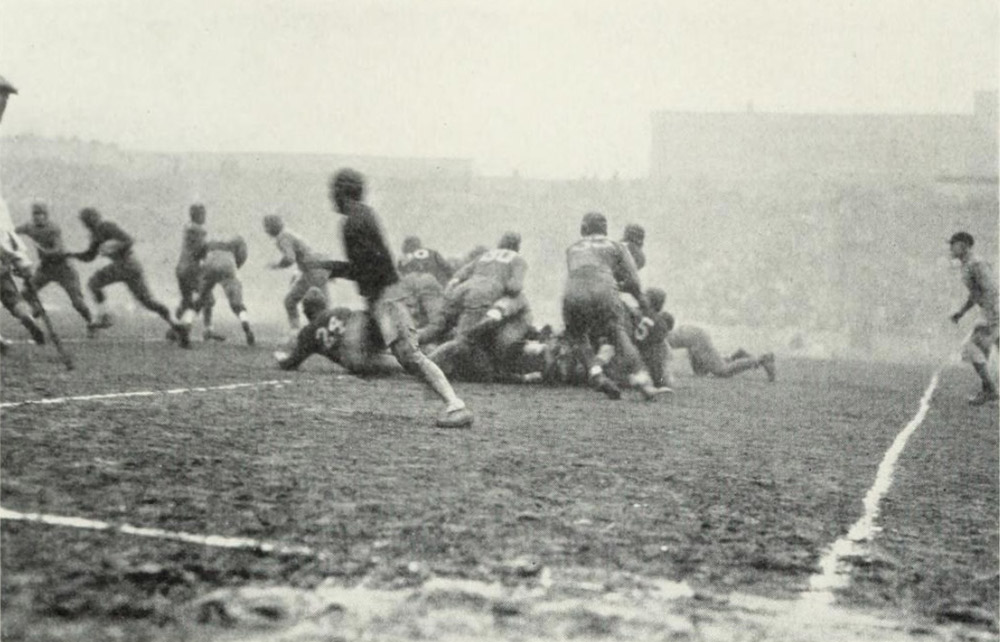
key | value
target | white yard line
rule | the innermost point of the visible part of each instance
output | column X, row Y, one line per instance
column 144, row 393
column 833, row 575
column 217, row 541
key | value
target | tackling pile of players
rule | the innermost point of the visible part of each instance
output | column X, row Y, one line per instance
column 425, row 316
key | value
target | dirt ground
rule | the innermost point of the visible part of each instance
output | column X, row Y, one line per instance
column 559, row 515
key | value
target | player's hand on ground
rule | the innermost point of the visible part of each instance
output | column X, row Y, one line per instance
column 280, row 355
column 955, row 318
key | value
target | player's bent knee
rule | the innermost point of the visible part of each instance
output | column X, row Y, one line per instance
column 972, row 353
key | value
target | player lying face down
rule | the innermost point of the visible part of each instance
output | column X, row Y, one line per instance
column 340, row 335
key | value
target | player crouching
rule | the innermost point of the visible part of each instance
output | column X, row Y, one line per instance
column 593, row 313
column 493, row 315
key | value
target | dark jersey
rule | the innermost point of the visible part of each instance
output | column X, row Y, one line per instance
column 192, row 246
column 637, row 254
column 324, row 335
column 370, row 261
column 107, row 231
column 48, row 240
column 426, row 261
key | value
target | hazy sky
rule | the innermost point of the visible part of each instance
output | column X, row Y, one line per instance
column 557, row 89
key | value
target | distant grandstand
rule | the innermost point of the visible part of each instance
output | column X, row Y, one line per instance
column 946, row 147
column 27, row 148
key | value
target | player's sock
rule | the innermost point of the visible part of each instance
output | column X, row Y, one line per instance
column 432, row 374
column 103, row 317
column 251, row 339
column 644, row 384
column 36, row 333
column 188, row 317
column 605, row 354
column 533, row 348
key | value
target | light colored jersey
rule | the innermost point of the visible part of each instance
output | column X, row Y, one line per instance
column 691, row 338
column 495, row 274
column 220, row 262
column 294, row 249
column 979, row 278
column 597, row 257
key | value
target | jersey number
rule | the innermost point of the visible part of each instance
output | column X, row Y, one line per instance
column 329, row 335
column 500, row 256
column 642, row 331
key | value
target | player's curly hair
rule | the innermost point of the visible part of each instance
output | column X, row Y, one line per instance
column 593, row 223
column 350, row 183
column 510, row 241
column 634, row 233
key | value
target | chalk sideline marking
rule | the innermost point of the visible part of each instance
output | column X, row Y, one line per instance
column 143, row 393
column 217, row 541
column 833, row 575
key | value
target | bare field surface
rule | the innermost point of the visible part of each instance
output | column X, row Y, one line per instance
column 559, row 515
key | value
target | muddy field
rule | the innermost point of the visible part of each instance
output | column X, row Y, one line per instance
column 559, row 515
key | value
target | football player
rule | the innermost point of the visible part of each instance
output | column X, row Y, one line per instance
column 111, row 241
column 219, row 267
column 14, row 261
column 593, row 313
column 189, row 271
column 706, row 360
column 13, row 254
column 634, row 238
column 370, row 265
column 332, row 334
column 295, row 251
column 423, row 273
column 493, row 315
column 651, row 340
column 54, row 264
column 979, row 278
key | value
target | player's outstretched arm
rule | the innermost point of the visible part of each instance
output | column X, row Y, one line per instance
column 292, row 361
column 337, row 269
column 968, row 305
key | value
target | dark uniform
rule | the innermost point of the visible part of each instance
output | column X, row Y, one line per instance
column 54, row 264
column 124, row 268
column 189, row 271
column 323, row 335
column 424, row 273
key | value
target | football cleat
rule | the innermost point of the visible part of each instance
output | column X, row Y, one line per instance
column 183, row 333
column 983, row 398
column 455, row 418
column 103, row 322
column 251, row 339
column 602, row 383
column 210, row 335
